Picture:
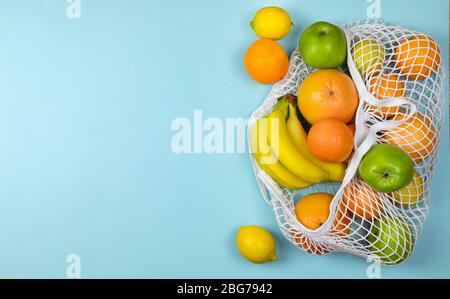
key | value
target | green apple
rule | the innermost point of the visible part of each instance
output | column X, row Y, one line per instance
column 369, row 56
column 323, row 45
column 391, row 240
column 386, row 168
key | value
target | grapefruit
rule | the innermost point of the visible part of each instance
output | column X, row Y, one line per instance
column 327, row 93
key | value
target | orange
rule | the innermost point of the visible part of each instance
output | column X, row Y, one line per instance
column 387, row 86
column 341, row 225
column 417, row 57
column 330, row 140
column 266, row 61
column 352, row 127
column 308, row 244
column 313, row 211
column 361, row 200
column 416, row 136
column 327, row 93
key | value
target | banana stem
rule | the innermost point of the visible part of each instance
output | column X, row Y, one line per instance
column 283, row 104
column 291, row 99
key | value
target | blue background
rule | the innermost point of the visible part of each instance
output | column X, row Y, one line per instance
column 86, row 165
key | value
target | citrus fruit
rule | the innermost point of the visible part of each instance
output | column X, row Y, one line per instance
column 411, row 194
column 256, row 244
column 369, row 56
column 361, row 200
column 352, row 127
column 271, row 22
column 387, row 86
column 417, row 57
column 313, row 211
column 416, row 136
column 266, row 61
column 327, row 93
column 341, row 225
column 308, row 244
column 330, row 140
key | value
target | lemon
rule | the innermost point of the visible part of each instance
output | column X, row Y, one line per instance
column 272, row 23
column 369, row 57
column 411, row 194
column 256, row 244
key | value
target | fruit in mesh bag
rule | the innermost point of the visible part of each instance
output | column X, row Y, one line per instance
column 313, row 211
column 323, row 45
column 266, row 61
column 411, row 194
column 282, row 146
column 417, row 57
column 309, row 245
column 368, row 55
column 330, row 140
column 416, row 136
column 278, row 156
column 327, row 93
column 352, row 127
column 271, row 22
column 386, row 168
column 256, row 244
column 268, row 162
column 361, row 201
column 387, row 86
column 299, row 138
column 391, row 240
column 280, row 174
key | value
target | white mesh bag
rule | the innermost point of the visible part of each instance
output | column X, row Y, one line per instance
column 412, row 119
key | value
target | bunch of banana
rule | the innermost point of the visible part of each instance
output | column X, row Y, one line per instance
column 279, row 145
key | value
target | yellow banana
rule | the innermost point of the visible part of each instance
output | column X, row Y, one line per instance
column 284, row 149
column 269, row 163
column 275, row 177
column 298, row 136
